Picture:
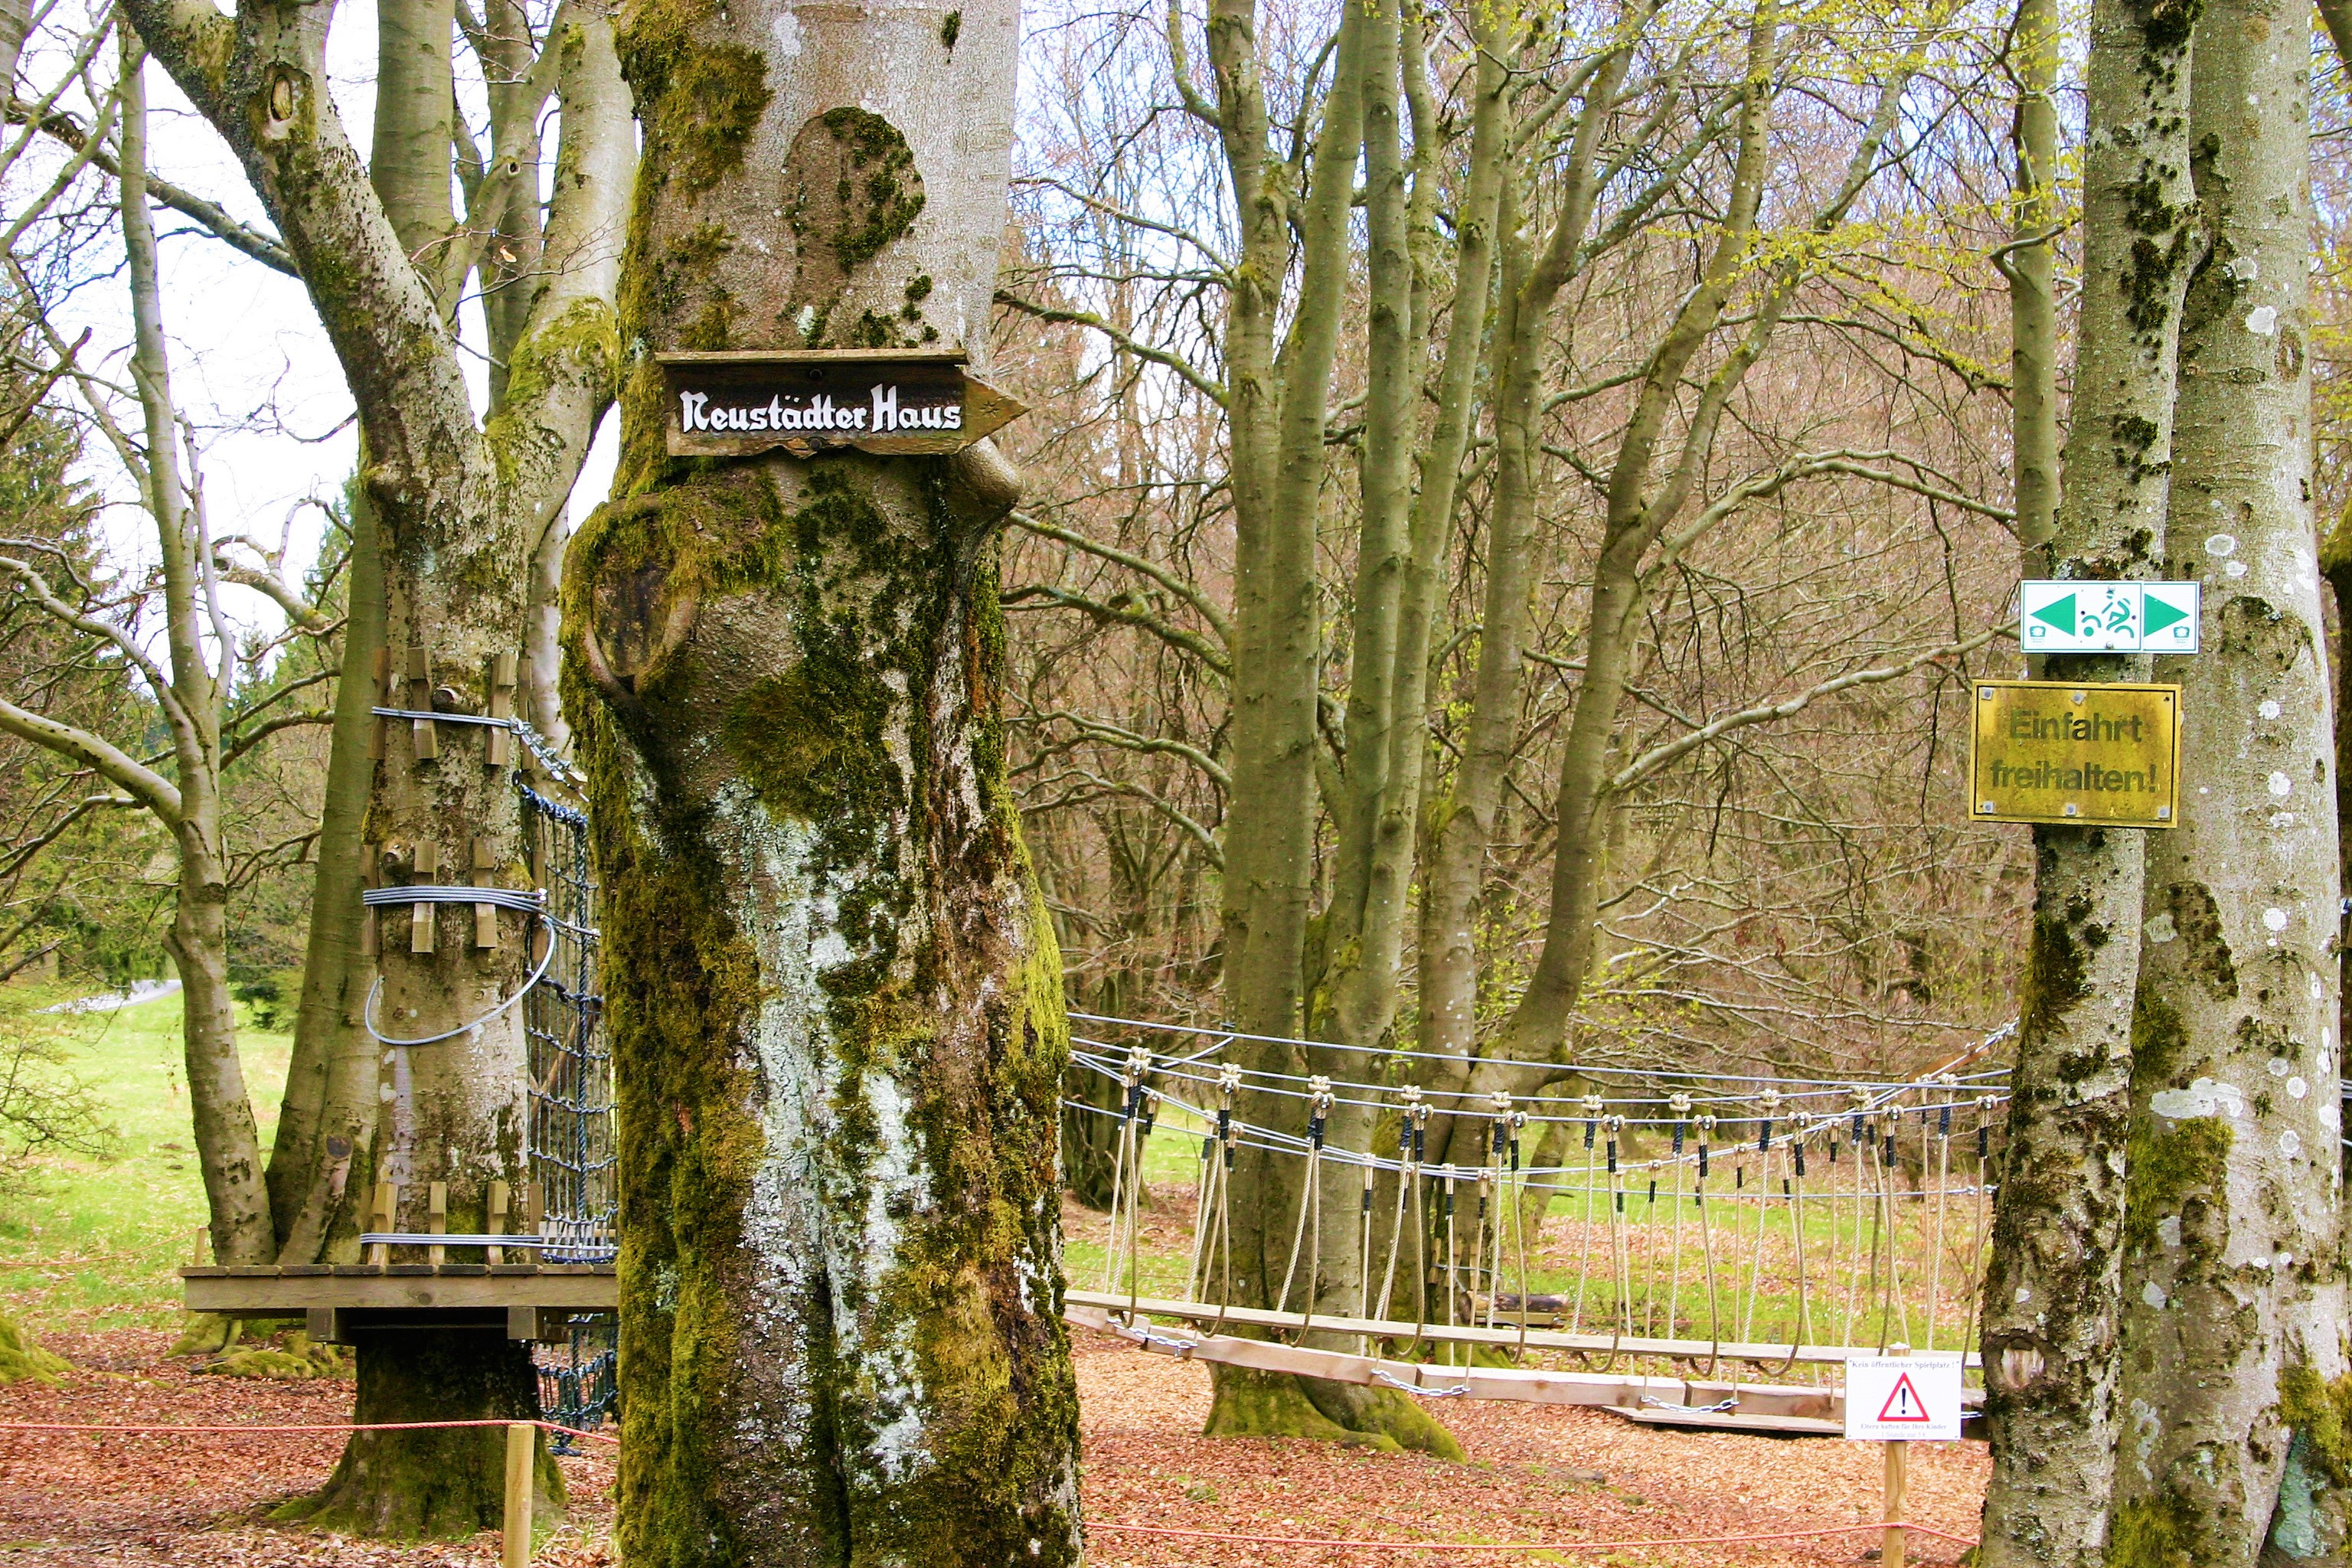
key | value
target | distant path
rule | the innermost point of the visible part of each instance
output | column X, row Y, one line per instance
column 114, row 1001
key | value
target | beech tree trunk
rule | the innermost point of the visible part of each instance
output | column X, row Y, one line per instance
column 228, row 1143
column 833, row 991
column 1460, row 825
column 2232, row 1274
column 447, row 1483
column 322, row 1157
column 1278, row 386
column 2336, row 563
column 2053, row 1276
column 2028, row 269
column 461, row 502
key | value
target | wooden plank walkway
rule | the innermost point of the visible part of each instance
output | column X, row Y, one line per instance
column 1508, row 1337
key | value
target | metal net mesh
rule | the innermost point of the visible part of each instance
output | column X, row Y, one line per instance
column 579, row 1385
column 571, row 1065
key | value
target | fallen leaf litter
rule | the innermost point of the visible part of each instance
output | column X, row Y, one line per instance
column 1535, row 1473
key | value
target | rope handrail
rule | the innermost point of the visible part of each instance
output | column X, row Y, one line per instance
column 1990, row 1093
column 1973, row 1088
column 433, row 716
column 1230, row 1034
column 1949, row 1083
column 1271, row 1140
column 1988, row 1081
column 1276, row 1140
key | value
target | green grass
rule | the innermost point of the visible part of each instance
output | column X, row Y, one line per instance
column 95, row 1242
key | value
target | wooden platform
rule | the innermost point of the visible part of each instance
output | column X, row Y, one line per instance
column 530, row 1300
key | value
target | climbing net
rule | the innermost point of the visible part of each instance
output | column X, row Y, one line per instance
column 571, row 1148
column 1704, row 1218
column 579, row 1378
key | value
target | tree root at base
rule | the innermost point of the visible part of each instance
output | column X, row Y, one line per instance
column 1250, row 1404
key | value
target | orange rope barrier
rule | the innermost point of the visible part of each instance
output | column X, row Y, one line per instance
column 1517, row 1545
column 335, row 1426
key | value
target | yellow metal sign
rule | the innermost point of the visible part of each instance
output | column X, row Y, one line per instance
column 2047, row 751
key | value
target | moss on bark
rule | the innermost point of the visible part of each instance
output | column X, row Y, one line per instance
column 22, row 1360
column 2320, row 1413
column 1248, row 1403
column 2156, row 1532
column 205, row 1333
column 861, row 1361
column 444, row 1483
column 298, row 1358
column 2171, row 1169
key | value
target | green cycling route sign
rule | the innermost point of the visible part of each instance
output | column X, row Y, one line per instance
column 2109, row 618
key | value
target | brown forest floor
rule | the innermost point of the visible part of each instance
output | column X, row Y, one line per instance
column 1535, row 1473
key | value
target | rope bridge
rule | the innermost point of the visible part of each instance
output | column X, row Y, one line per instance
column 1706, row 1221
column 1710, row 1220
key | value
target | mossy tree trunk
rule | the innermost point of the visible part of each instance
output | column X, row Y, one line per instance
column 447, row 1483
column 2232, row 1274
column 1282, row 972
column 2052, row 1277
column 460, row 502
column 834, row 994
column 23, row 1360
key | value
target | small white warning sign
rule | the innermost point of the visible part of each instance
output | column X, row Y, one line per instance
column 1897, row 1397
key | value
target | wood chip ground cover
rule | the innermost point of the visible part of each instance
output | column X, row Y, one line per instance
column 1535, row 1473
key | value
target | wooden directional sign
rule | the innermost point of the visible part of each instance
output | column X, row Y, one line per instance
column 2109, row 617
column 2044, row 750
column 876, row 400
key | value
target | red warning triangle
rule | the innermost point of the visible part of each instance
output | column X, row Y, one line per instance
column 1903, row 1404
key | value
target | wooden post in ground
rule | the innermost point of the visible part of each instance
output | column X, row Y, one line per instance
column 521, row 1449
column 1898, row 1460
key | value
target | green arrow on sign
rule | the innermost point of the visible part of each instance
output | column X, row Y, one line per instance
column 2157, row 614
column 2059, row 612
